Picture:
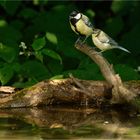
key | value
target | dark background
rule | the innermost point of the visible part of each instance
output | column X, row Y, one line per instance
column 37, row 43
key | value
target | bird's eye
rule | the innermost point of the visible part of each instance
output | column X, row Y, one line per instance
column 78, row 16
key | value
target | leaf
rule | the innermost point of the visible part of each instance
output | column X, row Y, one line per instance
column 29, row 83
column 84, row 74
column 39, row 43
column 52, row 54
column 57, row 77
column 28, row 13
column 10, row 6
column 126, row 72
column 6, row 73
column 39, row 2
column 7, row 53
column 16, row 67
column 35, row 70
column 55, row 67
column 18, row 24
column 36, row 2
column 8, row 33
column 39, row 55
column 90, row 12
column 121, row 7
column 51, row 37
column 3, row 23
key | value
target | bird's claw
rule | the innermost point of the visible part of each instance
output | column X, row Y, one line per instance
column 78, row 41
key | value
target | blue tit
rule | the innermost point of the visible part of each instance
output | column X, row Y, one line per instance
column 104, row 42
column 80, row 24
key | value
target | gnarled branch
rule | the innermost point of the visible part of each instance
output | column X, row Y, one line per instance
column 119, row 91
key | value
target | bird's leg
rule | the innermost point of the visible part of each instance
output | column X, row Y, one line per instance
column 85, row 39
column 99, row 53
column 78, row 40
column 102, row 51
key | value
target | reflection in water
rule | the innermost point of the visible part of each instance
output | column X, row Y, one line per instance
column 66, row 123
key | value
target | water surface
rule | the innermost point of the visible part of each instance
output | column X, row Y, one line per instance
column 67, row 123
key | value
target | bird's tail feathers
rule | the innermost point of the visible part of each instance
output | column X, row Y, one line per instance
column 119, row 47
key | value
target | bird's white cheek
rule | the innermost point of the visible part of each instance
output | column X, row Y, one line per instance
column 78, row 16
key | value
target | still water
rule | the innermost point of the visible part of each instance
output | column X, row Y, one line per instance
column 67, row 123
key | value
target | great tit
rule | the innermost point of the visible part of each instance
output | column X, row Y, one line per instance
column 104, row 42
column 80, row 24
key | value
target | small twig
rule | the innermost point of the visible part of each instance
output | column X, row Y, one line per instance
column 82, row 88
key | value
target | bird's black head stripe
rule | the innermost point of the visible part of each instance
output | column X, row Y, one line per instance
column 74, row 13
column 73, row 21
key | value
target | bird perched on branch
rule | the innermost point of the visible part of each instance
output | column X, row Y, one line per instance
column 80, row 24
column 104, row 42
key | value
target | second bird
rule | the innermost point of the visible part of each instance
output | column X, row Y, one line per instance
column 104, row 42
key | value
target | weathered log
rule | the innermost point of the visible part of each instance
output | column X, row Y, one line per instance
column 62, row 91
column 52, row 92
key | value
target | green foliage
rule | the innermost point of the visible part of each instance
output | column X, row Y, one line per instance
column 126, row 72
column 2, row 23
column 9, row 34
column 121, row 7
column 52, row 54
column 27, row 13
column 10, row 6
column 35, row 70
column 7, row 53
column 131, row 39
column 37, row 43
column 6, row 73
column 51, row 37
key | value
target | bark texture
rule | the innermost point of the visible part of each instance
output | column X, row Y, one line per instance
column 63, row 91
